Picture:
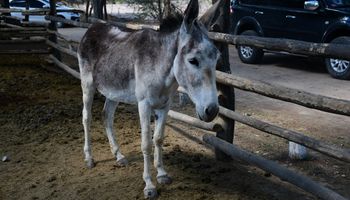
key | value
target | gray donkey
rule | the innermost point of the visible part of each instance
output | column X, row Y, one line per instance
column 145, row 68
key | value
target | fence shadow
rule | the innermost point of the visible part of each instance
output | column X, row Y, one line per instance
column 209, row 176
column 310, row 64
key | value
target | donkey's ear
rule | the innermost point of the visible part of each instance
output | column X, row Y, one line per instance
column 191, row 13
column 211, row 15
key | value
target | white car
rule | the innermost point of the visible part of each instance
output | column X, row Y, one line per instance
column 36, row 4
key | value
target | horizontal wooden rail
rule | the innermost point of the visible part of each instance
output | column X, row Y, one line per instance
column 37, row 40
column 2, row 23
column 211, row 126
column 24, row 46
column 37, row 11
column 322, row 147
column 22, row 34
column 9, row 10
column 274, row 168
column 67, row 21
column 22, row 29
column 292, row 46
column 65, row 67
column 35, row 24
column 132, row 26
column 63, row 37
column 328, row 104
column 62, row 49
column 24, row 51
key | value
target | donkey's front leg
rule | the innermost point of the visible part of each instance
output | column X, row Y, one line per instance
column 146, row 147
column 158, row 138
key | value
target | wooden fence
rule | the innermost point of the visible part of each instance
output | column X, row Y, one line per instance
column 327, row 104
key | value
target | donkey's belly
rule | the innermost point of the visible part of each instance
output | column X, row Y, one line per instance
column 125, row 95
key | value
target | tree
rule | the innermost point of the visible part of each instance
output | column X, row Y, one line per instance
column 155, row 9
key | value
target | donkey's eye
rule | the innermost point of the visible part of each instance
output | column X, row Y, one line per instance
column 193, row 61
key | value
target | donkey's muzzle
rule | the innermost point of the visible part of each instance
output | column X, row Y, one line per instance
column 210, row 112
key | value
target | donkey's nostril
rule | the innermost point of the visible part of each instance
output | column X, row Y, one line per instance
column 212, row 110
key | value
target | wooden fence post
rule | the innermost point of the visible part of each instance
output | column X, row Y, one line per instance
column 5, row 4
column 226, row 93
column 53, row 28
column 26, row 17
column 296, row 151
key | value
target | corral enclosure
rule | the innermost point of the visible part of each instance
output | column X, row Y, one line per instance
column 43, row 137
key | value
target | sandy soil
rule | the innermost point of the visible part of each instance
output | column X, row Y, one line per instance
column 42, row 135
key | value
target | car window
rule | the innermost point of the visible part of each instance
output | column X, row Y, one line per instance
column 18, row 4
column 338, row 3
column 296, row 4
column 35, row 4
column 255, row 2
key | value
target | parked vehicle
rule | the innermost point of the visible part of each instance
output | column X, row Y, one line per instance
column 36, row 4
column 321, row 21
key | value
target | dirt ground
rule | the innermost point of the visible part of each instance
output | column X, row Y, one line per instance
column 42, row 136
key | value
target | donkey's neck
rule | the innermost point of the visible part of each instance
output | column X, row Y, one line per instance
column 169, row 47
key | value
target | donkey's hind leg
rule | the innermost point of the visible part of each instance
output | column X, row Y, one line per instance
column 88, row 89
column 108, row 117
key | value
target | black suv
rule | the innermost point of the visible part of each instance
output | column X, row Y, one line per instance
column 322, row 21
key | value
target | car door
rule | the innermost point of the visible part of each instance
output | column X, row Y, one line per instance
column 303, row 24
column 36, row 4
column 270, row 18
column 266, row 16
column 20, row 5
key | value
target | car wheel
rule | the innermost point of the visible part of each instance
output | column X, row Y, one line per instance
column 338, row 68
column 247, row 54
column 60, row 24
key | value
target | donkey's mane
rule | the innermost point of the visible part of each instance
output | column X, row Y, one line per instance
column 171, row 22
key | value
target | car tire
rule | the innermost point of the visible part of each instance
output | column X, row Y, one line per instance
column 250, row 55
column 337, row 68
column 60, row 24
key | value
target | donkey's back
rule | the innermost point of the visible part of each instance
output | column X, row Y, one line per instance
column 110, row 57
column 106, row 62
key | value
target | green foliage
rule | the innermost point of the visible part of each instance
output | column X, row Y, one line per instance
column 152, row 9
column 149, row 8
column 116, row 1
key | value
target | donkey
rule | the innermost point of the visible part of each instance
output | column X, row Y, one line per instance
column 145, row 68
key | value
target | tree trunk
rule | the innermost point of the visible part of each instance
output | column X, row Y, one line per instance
column 98, row 9
column 167, row 9
column 160, row 11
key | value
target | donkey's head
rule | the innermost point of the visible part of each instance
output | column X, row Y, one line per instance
column 195, row 62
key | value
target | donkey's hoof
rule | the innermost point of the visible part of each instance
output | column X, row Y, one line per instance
column 90, row 163
column 165, row 180
column 123, row 162
column 150, row 193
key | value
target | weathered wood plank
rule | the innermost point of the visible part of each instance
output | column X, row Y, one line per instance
column 67, row 21
column 292, row 46
column 37, row 11
column 274, row 168
column 62, row 49
column 22, row 29
column 194, row 121
column 319, row 102
column 65, row 67
column 297, row 137
column 23, row 46
column 63, row 37
column 22, row 34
